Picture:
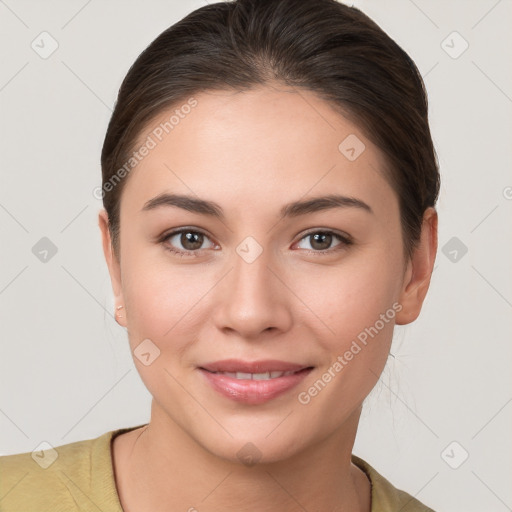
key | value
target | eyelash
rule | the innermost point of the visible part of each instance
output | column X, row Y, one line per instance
column 345, row 241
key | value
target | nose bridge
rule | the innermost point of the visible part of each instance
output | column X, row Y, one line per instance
column 252, row 298
column 251, row 273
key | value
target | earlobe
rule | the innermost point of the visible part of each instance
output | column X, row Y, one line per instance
column 419, row 270
column 112, row 264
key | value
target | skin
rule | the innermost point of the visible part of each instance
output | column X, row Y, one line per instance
column 252, row 152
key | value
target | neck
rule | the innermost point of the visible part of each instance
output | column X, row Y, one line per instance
column 164, row 467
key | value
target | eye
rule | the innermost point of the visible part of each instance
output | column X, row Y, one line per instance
column 320, row 241
column 186, row 242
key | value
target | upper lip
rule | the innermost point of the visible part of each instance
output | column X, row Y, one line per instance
column 237, row 365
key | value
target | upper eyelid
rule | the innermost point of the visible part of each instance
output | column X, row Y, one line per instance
column 339, row 233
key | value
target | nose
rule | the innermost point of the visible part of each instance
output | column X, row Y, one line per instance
column 253, row 300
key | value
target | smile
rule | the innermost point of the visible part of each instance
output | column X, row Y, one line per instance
column 253, row 382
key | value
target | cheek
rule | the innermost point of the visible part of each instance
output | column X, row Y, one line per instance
column 349, row 298
column 164, row 298
column 162, row 302
column 163, row 306
column 358, row 310
column 356, row 302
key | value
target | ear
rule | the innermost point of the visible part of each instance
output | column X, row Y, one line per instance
column 419, row 270
column 113, row 265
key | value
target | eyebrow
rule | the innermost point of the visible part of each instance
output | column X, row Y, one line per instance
column 293, row 209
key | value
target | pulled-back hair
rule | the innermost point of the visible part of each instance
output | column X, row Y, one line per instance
column 323, row 46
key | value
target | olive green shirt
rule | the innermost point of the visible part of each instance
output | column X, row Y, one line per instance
column 81, row 479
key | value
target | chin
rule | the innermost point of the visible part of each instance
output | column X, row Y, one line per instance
column 252, row 450
column 276, row 438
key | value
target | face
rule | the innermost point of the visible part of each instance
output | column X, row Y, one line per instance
column 251, row 276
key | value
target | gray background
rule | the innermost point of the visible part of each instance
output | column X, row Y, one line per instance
column 65, row 367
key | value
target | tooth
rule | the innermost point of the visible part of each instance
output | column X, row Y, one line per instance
column 262, row 376
column 256, row 376
column 241, row 375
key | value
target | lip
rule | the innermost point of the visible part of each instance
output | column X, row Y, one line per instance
column 248, row 391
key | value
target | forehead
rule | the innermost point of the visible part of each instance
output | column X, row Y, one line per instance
column 260, row 143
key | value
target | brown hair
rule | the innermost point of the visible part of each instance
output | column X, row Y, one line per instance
column 323, row 46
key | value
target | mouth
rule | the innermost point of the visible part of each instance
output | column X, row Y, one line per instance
column 253, row 382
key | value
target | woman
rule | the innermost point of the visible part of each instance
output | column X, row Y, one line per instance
column 269, row 184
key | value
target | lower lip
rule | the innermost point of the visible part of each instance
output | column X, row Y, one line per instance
column 253, row 391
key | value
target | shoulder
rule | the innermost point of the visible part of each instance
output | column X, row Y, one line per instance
column 385, row 496
column 57, row 478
